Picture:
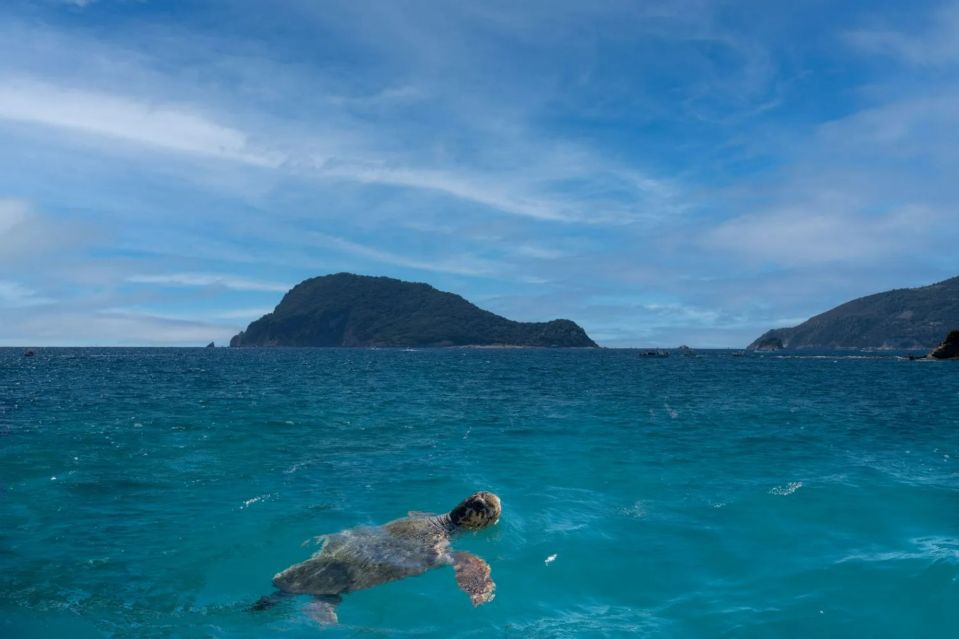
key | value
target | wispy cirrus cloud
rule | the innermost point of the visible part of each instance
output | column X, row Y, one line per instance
column 16, row 295
column 56, row 326
column 934, row 44
column 28, row 235
column 165, row 126
column 824, row 232
column 662, row 174
column 158, row 125
column 209, row 279
column 462, row 265
column 245, row 314
column 491, row 191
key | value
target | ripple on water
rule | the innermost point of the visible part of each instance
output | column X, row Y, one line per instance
column 715, row 496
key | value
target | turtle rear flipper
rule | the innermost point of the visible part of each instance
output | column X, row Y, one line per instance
column 323, row 609
column 473, row 577
column 268, row 601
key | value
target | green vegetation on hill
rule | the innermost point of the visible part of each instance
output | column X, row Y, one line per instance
column 908, row 318
column 356, row 310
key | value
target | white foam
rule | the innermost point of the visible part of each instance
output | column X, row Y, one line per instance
column 550, row 559
column 637, row 510
column 253, row 500
column 928, row 548
column 295, row 467
column 788, row 489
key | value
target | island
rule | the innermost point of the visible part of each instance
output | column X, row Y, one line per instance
column 364, row 311
column 901, row 319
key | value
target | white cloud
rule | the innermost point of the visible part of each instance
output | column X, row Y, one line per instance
column 27, row 235
column 15, row 295
column 157, row 125
column 177, row 128
column 489, row 191
column 209, row 279
column 389, row 96
column 935, row 45
column 560, row 183
column 479, row 155
column 12, row 214
column 463, row 265
column 538, row 252
column 55, row 326
column 923, row 125
column 248, row 314
column 823, row 232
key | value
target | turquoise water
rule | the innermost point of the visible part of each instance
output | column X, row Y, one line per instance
column 154, row 493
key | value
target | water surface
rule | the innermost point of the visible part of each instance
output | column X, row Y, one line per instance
column 154, row 492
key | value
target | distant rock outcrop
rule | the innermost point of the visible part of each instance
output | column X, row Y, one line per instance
column 902, row 319
column 356, row 310
column 767, row 343
column 948, row 348
column 211, row 345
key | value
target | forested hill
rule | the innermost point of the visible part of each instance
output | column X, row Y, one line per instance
column 357, row 310
column 908, row 318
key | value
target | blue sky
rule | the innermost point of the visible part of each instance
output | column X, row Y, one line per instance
column 662, row 172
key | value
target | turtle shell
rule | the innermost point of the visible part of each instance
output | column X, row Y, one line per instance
column 368, row 556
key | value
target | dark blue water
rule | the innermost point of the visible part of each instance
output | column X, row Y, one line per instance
column 149, row 493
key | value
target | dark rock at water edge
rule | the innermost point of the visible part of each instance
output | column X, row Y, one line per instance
column 901, row 319
column 948, row 348
column 211, row 345
column 363, row 311
column 767, row 343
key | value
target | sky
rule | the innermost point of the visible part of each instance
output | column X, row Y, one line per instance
column 663, row 173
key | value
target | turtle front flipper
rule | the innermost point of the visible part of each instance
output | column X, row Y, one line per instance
column 473, row 577
column 323, row 609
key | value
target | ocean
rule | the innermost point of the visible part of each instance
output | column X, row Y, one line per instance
column 155, row 492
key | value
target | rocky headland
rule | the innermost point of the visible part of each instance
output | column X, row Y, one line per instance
column 901, row 319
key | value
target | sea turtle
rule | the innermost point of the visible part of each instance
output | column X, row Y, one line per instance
column 368, row 556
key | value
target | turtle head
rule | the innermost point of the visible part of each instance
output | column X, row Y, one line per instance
column 479, row 510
